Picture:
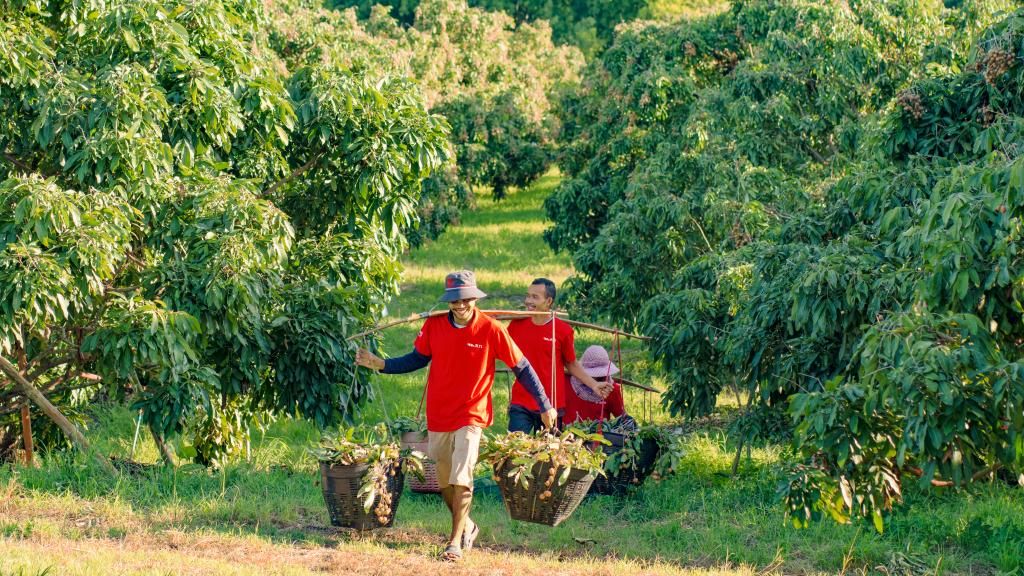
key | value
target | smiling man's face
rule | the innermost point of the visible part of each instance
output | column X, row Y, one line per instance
column 462, row 309
column 537, row 299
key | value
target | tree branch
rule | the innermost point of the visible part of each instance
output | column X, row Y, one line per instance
column 39, row 399
column 50, row 365
column 165, row 451
column 817, row 155
column 915, row 471
column 18, row 163
column 7, row 408
column 295, row 174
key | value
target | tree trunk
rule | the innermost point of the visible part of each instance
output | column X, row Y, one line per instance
column 736, row 459
column 26, row 433
column 26, row 416
column 26, row 389
column 165, row 450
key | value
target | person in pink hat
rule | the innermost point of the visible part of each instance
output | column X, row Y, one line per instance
column 582, row 403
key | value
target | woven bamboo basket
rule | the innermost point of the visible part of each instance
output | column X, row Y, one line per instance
column 340, row 484
column 527, row 505
column 429, row 485
column 619, row 482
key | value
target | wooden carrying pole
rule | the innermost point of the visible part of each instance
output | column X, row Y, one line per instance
column 554, row 380
column 498, row 314
column 625, row 382
column 608, row 330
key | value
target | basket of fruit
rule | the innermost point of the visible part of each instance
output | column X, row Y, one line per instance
column 361, row 475
column 542, row 478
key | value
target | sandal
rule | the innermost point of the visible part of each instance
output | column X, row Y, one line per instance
column 452, row 553
column 469, row 536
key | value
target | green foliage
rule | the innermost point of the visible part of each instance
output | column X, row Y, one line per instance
column 823, row 218
column 700, row 515
column 493, row 81
column 497, row 143
column 405, row 424
column 587, row 24
column 194, row 221
column 671, row 449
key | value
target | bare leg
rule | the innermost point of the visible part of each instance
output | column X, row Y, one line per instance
column 461, row 500
column 448, row 495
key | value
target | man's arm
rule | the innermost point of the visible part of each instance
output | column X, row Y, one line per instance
column 527, row 376
column 409, row 363
column 602, row 389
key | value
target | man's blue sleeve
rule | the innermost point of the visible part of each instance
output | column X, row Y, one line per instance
column 527, row 376
column 409, row 363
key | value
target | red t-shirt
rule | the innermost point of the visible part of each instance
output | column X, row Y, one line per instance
column 579, row 409
column 535, row 342
column 462, row 369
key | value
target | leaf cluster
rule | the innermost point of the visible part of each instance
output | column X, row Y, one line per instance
column 493, row 80
column 194, row 221
column 383, row 457
column 823, row 220
column 671, row 450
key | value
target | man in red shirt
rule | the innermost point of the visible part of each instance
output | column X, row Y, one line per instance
column 461, row 347
column 534, row 337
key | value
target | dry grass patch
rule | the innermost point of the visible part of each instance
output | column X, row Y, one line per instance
column 70, row 535
column 392, row 554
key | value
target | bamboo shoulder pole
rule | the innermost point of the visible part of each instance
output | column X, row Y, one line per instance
column 496, row 314
column 606, row 329
column 625, row 382
column 554, row 380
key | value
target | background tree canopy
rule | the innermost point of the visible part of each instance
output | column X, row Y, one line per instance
column 493, row 80
column 815, row 203
column 193, row 218
column 586, row 24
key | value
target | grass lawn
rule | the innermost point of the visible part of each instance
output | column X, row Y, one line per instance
column 266, row 515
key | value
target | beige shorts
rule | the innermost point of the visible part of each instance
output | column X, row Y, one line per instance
column 455, row 454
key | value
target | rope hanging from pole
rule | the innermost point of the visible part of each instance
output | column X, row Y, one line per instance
column 554, row 377
column 374, row 385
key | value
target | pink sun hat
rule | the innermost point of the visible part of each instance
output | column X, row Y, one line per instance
column 596, row 364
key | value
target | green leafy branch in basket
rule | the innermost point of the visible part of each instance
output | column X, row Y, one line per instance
column 671, row 449
column 404, row 424
column 517, row 453
column 383, row 457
